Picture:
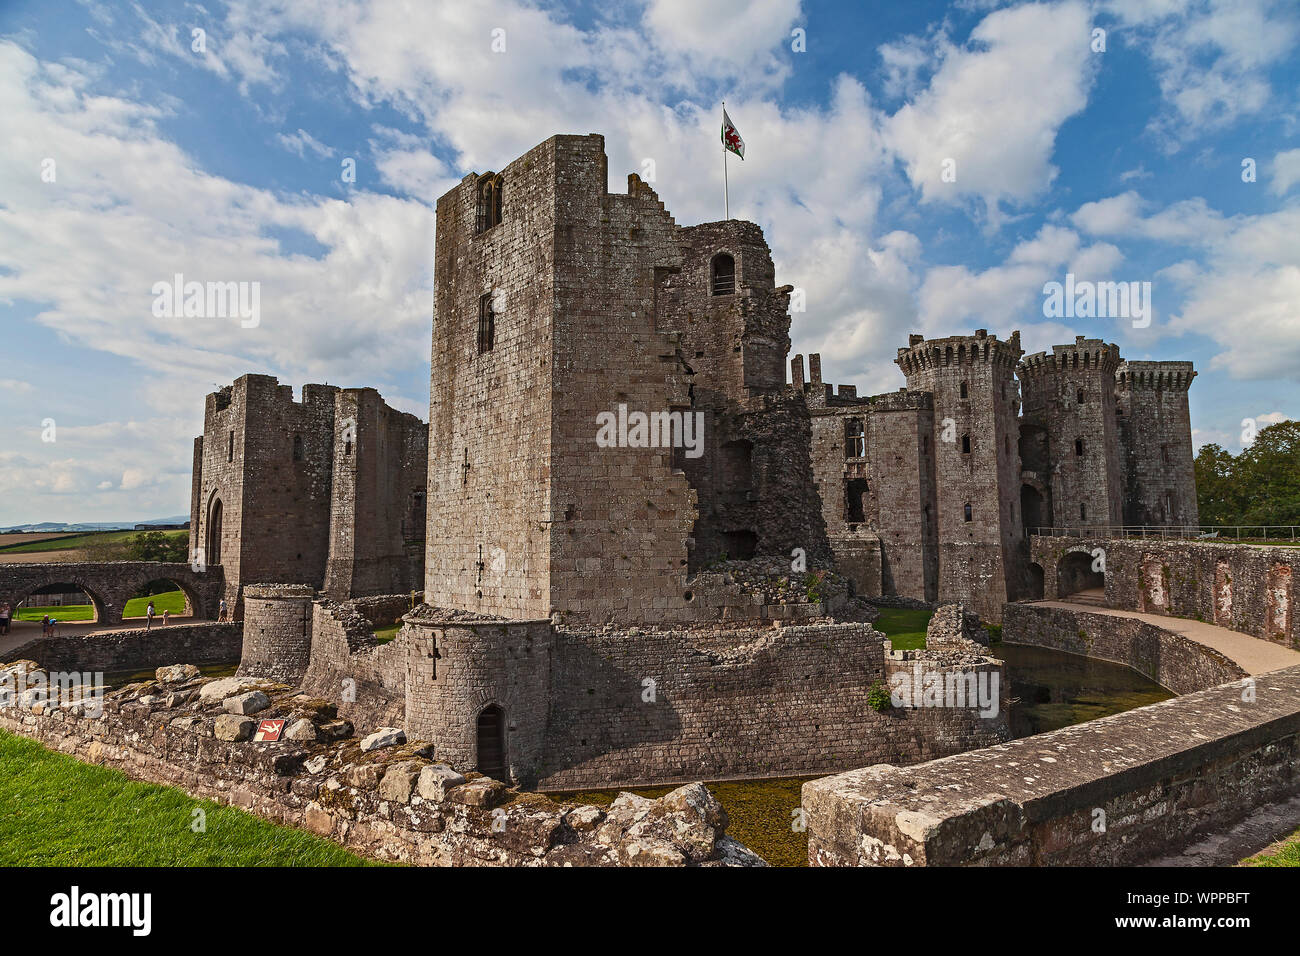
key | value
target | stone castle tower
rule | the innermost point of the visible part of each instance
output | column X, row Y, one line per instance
column 977, row 463
column 1071, row 425
column 558, row 302
column 1156, row 443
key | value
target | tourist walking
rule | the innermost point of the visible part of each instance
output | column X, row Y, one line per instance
column 6, row 612
column 148, row 614
column 167, row 617
column 45, row 626
column 54, row 621
column 221, row 613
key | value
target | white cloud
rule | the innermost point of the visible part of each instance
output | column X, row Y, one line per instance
column 302, row 141
column 1285, row 171
column 994, row 107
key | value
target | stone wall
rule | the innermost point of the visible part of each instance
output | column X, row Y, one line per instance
column 381, row 796
column 277, row 631
column 1108, row 792
column 136, row 649
column 1243, row 587
column 1171, row 660
column 658, row 706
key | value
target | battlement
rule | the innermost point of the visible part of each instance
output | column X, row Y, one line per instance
column 980, row 348
column 1175, row 375
column 1083, row 354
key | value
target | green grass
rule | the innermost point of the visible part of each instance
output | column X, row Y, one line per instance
column 173, row 601
column 385, row 634
column 904, row 628
column 81, row 541
column 57, row 811
column 1287, row 854
column 760, row 814
column 64, row 615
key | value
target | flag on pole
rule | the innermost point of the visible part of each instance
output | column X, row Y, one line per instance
column 730, row 137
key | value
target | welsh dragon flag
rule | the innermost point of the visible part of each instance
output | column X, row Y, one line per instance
column 730, row 138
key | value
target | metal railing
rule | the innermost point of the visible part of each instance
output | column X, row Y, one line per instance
column 1242, row 532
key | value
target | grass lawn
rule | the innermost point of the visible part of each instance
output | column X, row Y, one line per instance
column 173, row 601
column 67, row 613
column 1285, row 853
column 57, row 811
column 81, row 541
column 905, row 629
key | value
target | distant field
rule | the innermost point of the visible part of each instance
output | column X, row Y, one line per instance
column 72, row 542
column 27, row 537
column 173, row 601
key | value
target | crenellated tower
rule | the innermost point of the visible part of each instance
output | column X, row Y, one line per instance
column 1155, row 436
column 977, row 463
column 1069, row 414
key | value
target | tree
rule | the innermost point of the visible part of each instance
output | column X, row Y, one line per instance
column 1260, row 486
column 156, row 546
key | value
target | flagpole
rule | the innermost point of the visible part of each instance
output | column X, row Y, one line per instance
column 726, row 189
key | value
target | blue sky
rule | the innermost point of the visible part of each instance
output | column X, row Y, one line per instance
column 224, row 164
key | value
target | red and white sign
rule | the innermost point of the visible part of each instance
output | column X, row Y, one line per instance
column 268, row 730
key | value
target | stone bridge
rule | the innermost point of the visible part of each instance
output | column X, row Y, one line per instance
column 111, row 584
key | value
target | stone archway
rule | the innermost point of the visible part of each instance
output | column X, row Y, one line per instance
column 1034, row 581
column 1076, row 579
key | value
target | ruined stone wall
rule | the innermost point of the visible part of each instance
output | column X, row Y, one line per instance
column 1070, row 394
column 1205, row 760
column 977, row 464
column 377, row 498
column 136, row 649
column 487, row 546
column 1156, row 440
column 1246, row 588
column 738, row 703
column 364, row 679
column 380, row 796
column 1171, row 660
column 268, row 460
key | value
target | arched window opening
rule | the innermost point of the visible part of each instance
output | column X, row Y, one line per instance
column 724, row 274
column 966, row 512
column 488, row 209
column 965, row 444
column 212, row 552
column 297, row 447
column 1079, row 396
column 965, row 391
column 487, row 324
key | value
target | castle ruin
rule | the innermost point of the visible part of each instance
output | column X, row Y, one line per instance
column 619, row 488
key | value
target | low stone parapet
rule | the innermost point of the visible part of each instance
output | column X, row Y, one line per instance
column 1113, row 791
column 1171, row 660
